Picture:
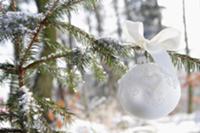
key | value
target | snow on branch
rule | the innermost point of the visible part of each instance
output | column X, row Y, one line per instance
column 18, row 23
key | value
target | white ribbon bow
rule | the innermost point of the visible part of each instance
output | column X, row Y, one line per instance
column 167, row 39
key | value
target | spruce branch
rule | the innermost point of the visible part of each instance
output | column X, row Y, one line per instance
column 7, row 115
column 107, row 50
column 181, row 59
column 51, row 105
column 76, row 32
column 67, row 5
column 15, row 24
column 52, row 11
column 11, row 130
column 105, row 46
column 9, row 68
column 98, row 70
column 38, row 30
column 44, row 60
column 76, row 57
column 185, row 58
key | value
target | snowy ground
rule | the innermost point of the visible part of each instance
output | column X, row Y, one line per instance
column 109, row 118
column 180, row 123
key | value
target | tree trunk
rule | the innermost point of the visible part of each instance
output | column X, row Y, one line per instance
column 99, row 20
column 190, row 91
column 119, row 29
column 44, row 81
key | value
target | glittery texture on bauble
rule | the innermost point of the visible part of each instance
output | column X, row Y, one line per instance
column 148, row 92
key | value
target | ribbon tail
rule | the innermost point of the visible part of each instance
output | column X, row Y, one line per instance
column 163, row 59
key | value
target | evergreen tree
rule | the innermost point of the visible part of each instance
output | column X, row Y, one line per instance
column 29, row 33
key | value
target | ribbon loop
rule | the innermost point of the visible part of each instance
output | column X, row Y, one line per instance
column 134, row 31
column 167, row 39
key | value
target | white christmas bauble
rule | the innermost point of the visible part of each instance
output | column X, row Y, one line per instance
column 148, row 92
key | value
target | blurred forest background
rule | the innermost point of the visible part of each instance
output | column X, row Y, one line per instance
column 94, row 99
